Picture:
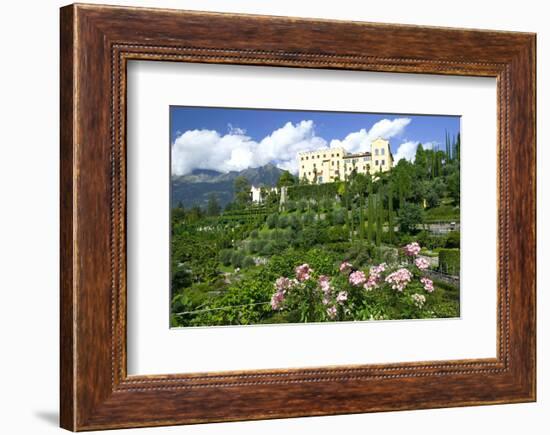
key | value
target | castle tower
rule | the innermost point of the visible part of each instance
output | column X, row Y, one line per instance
column 382, row 158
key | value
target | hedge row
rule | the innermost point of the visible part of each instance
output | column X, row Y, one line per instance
column 449, row 261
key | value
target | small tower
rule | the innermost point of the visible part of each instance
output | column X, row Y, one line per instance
column 382, row 159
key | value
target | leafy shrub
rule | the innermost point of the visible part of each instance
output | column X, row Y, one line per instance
column 337, row 234
column 449, row 261
column 308, row 218
column 302, row 206
column 338, row 217
column 255, row 288
column 225, row 256
column 453, row 240
column 254, row 234
column 327, row 205
column 283, row 221
column 272, row 220
column 291, row 205
column 410, row 215
column 267, row 249
column 248, row 262
column 431, row 241
column 237, row 259
column 255, row 246
column 294, row 222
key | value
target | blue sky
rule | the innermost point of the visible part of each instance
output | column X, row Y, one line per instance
column 231, row 139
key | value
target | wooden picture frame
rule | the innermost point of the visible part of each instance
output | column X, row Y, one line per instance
column 96, row 43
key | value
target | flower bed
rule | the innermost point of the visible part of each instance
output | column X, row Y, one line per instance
column 400, row 290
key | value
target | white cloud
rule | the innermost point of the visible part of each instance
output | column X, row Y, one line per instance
column 235, row 151
column 360, row 140
column 407, row 150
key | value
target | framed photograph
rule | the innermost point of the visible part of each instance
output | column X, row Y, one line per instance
column 266, row 217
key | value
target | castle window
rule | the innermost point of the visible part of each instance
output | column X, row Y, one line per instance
column 376, row 153
column 382, row 151
column 332, row 163
column 320, row 179
column 383, row 162
column 376, row 162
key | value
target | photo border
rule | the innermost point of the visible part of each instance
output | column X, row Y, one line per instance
column 96, row 43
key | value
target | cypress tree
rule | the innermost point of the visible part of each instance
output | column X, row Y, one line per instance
column 361, row 217
column 390, row 213
column 379, row 217
column 371, row 217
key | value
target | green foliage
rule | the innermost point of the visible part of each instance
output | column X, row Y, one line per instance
column 248, row 262
column 453, row 183
column 286, row 179
column 237, row 259
column 242, row 190
column 283, row 221
column 272, row 220
column 431, row 241
column 449, row 261
column 410, row 215
column 453, row 240
column 337, row 234
column 213, row 207
column 225, row 256
column 291, row 206
column 313, row 191
column 443, row 213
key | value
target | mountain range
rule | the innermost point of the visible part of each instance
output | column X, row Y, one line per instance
column 194, row 188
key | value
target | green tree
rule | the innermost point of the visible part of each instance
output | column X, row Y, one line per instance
column 371, row 214
column 286, row 179
column 242, row 190
column 391, row 235
column 379, row 218
column 453, row 184
column 213, row 207
column 410, row 215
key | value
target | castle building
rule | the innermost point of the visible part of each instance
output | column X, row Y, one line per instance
column 331, row 164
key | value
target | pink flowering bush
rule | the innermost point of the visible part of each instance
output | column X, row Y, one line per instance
column 421, row 263
column 399, row 279
column 382, row 291
column 412, row 249
column 357, row 278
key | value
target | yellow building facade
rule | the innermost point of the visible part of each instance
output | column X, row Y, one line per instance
column 331, row 164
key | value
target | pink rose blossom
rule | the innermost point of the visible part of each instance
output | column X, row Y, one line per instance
column 342, row 297
column 345, row 266
column 422, row 263
column 357, row 278
column 277, row 300
column 399, row 279
column 377, row 270
column 284, row 284
column 332, row 311
column 303, row 272
column 419, row 300
column 374, row 276
column 324, row 283
column 428, row 284
column 412, row 249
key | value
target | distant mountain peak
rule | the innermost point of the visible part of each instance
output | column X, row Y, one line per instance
column 194, row 188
